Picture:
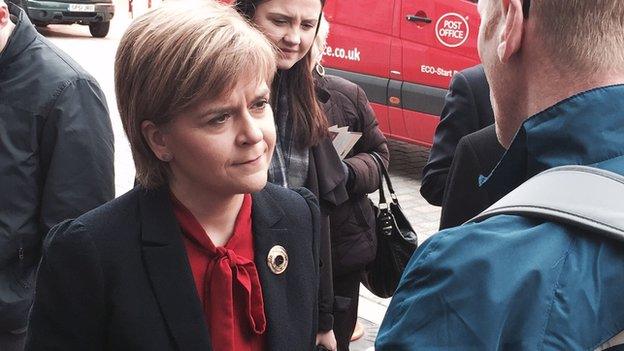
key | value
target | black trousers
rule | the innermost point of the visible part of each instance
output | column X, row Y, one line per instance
column 346, row 295
column 13, row 341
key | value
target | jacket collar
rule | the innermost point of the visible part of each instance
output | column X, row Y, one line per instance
column 266, row 210
column 269, row 230
column 584, row 129
column 23, row 35
column 322, row 94
column 168, row 269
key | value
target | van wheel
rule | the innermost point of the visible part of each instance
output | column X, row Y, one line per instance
column 99, row 29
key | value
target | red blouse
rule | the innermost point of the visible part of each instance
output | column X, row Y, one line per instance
column 227, row 281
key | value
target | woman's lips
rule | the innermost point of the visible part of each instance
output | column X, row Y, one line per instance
column 251, row 162
column 287, row 52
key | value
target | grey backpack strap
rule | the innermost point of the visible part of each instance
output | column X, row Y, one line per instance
column 586, row 197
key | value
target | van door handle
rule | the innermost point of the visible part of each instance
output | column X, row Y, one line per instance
column 414, row 18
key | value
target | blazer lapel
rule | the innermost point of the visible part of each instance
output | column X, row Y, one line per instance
column 168, row 269
column 267, row 213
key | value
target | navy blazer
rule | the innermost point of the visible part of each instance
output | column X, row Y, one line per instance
column 118, row 277
column 467, row 108
column 477, row 154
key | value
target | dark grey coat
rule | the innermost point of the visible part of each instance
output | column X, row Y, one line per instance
column 56, row 156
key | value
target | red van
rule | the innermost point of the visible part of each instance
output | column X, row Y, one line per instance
column 403, row 54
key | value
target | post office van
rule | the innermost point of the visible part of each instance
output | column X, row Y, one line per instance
column 403, row 53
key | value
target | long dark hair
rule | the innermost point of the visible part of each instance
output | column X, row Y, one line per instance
column 309, row 121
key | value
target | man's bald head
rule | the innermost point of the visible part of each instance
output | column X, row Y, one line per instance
column 538, row 52
column 578, row 34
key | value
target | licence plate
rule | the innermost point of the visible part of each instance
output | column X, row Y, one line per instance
column 81, row 8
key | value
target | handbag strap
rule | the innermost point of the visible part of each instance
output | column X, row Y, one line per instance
column 385, row 220
column 383, row 174
column 382, row 194
column 585, row 197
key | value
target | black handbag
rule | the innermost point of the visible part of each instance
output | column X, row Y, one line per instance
column 396, row 241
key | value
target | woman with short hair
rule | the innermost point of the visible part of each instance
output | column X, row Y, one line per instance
column 201, row 255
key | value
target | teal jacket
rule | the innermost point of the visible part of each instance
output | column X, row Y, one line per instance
column 516, row 283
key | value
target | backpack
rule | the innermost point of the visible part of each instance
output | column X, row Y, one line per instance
column 585, row 197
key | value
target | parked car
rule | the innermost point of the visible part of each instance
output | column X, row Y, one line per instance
column 403, row 53
column 97, row 14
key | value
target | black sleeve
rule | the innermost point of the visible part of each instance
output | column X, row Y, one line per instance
column 459, row 118
column 326, row 287
column 68, row 311
column 76, row 154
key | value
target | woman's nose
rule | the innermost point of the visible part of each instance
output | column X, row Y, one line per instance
column 250, row 131
column 292, row 37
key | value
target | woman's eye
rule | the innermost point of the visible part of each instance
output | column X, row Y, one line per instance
column 260, row 105
column 279, row 22
column 308, row 26
column 219, row 119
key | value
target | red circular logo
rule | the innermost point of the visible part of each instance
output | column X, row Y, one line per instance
column 452, row 30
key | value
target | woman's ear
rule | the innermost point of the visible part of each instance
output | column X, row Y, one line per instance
column 156, row 140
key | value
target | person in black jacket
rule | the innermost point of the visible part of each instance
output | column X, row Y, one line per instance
column 304, row 153
column 476, row 155
column 353, row 222
column 203, row 254
column 56, row 156
column 467, row 109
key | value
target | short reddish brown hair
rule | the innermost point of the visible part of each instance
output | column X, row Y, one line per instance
column 173, row 57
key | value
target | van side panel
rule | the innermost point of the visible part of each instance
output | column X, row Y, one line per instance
column 433, row 51
column 360, row 36
column 403, row 53
column 358, row 48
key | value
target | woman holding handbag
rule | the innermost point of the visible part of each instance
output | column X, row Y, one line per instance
column 203, row 254
column 353, row 222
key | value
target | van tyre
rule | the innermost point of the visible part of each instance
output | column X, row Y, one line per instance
column 99, row 29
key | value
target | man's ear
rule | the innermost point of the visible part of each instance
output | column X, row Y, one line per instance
column 511, row 36
column 156, row 140
column 5, row 17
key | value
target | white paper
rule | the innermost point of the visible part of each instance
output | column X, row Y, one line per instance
column 343, row 139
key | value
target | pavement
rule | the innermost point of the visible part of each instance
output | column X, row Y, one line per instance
column 406, row 160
